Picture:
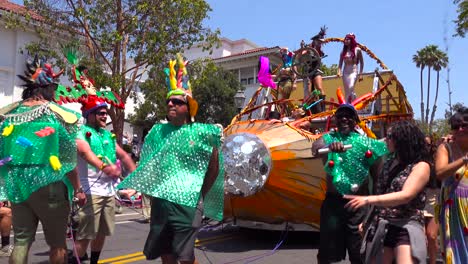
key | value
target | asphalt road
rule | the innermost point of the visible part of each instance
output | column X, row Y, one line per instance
column 219, row 244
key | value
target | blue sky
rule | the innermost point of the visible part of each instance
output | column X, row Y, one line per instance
column 393, row 30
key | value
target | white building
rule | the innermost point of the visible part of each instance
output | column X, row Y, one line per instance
column 12, row 63
column 241, row 58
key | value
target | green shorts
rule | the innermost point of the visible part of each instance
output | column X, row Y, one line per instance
column 173, row 230
column 49, row 205
column 97, row 216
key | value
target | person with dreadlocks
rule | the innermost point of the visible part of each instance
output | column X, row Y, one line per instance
column 38, row 163
column 350, row 58
column 348, row 172
column 182, row 169
column 396, row 229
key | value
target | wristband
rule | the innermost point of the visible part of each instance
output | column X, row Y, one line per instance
column 103, row 165
column 79, row 190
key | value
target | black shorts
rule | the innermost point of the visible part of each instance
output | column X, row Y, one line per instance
column 173, row 230
column 396, row 236
column 339, row 230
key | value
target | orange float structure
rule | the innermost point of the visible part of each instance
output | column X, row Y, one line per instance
column 272, row 179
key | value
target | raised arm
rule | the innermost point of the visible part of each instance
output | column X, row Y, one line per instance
column 443, row 168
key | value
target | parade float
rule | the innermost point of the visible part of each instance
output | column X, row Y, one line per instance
column 272, row 179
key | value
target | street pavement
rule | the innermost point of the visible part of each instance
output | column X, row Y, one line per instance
column 216, row 244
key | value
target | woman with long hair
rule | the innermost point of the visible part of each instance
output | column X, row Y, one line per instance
column 350, row 56
column 452, row 169
column 397, row 221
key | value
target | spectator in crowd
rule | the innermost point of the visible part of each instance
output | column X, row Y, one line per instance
column 452, row 169
column 397, row 223
column 5, row 229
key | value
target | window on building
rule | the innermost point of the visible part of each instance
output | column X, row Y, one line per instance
column 251, row 80
column 243, row 81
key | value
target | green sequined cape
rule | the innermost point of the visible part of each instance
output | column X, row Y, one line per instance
column 102, row 142
column 349, row 169
column 31, row 136
column 173, row 164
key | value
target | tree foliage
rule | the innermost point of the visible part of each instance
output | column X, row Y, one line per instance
column 462, row 19
column 432, row 58
column 213, row 88
column 122, row 38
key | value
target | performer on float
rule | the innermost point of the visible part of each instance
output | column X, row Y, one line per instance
column 315, row 79
column 347, row 173
column 350, row 57
column 38, row 160
column 181, row 167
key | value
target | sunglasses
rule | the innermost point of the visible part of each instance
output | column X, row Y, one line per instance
column 101, row 113
column 389, row 136
column 458, row 126
column 176, row 101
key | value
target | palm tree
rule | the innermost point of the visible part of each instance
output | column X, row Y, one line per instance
column 419, row 59
column 431, row 52
column 439, row 64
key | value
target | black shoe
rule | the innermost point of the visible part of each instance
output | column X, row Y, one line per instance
column 72, row 258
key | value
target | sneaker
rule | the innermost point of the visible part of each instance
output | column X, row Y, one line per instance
column 6, row 251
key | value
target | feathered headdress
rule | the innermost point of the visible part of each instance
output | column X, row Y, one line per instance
column 180, row 84
column 38, row 72
column 84, row 90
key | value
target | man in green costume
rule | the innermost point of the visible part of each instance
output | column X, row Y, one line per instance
column 181, row 168
column 38, row 156
column 99, row 173
column 347, row 173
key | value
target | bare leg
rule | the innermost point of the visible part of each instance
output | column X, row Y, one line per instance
column 57, row 255
column 81, row 246
column 403, row 254
column 19, row 254
column 189, row 262
column 431, row 233
column 168, row 259
column 388, row 255
column 5, row 222
column 318, row 84
column 98, row 243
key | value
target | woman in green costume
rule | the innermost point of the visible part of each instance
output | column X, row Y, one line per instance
column 181, row 168
column 38, row 153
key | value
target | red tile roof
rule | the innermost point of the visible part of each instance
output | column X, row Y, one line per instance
column 18, row 9
column 249, row 52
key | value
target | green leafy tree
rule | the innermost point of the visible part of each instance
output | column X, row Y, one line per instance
column 455, row 108
column 432, row 58
column 329, row 70
column 121, row 38
column 420, row 60
column 462, row 18
column 440, row 63
column 213, row 88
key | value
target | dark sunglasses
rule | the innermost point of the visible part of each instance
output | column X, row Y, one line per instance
column 101, row 113
column 176, row 101
column 389, row 136
column 458, row 126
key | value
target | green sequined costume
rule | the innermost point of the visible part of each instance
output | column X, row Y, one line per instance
column 173, row 164
column 349, row 169
column 42, row 149
column 102, row 142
